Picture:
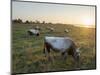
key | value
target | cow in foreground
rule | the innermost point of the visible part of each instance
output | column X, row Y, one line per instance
column 64, row 45
column 33, row 32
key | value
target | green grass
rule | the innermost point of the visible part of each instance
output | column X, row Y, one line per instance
column 27, row 51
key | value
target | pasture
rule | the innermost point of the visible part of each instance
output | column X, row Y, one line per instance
column 27, row 51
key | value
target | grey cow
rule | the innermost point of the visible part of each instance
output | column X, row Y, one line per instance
column 64, row 45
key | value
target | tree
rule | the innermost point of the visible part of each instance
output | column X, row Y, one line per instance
column 14, row 21
column 38, row 22
column 17, row 21
column 27, row 22
column 49, row 23
column 43, row 22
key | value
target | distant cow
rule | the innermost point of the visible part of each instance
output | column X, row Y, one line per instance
column 65, row 45
column 33, row 32
column 50, row 28
column 37, row 28
column 66, row 30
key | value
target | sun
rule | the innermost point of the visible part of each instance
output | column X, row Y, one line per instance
column 87, row 22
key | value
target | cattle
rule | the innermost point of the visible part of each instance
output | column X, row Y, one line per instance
column 50, row 28
column 33, row 32
column 37, row 28
column 66, row 30
column 64, row 45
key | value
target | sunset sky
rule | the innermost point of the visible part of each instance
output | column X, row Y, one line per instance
column 55, row 13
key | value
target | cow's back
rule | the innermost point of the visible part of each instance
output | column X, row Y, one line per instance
column 59, row 43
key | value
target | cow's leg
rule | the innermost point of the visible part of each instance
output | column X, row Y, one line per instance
column 44, row 51
column 47, row 51
column 64, row 54
column 48, row 54
column 78, row 62
column 76, row 58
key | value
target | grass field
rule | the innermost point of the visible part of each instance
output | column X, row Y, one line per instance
column 27, row 51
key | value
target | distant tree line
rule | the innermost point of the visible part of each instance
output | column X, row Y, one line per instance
column 28, row 22
column 17, row 21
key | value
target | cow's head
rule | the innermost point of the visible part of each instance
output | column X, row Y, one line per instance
column 78, row 51
column 77, row 54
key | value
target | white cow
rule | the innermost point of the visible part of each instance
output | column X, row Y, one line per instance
column 64, row 45
column 66, row 30
column 50, row 28
column 34, row 32
column 37, row 28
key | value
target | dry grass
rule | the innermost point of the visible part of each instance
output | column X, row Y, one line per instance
column 27, row 51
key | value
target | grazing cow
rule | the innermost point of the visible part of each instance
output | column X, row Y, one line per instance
column 65, row 45
column 33, row 32
column 50, row 28
column 37, row 28
column 66, row 30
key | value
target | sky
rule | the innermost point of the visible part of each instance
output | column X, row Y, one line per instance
column 55, row 13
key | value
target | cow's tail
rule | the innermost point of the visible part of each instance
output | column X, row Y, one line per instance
column 44, row 50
